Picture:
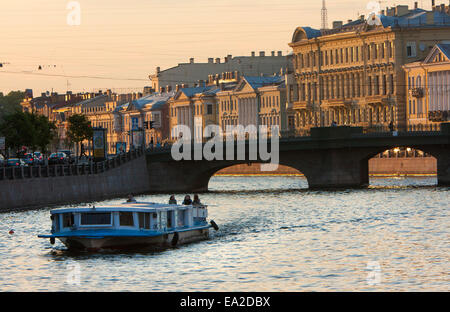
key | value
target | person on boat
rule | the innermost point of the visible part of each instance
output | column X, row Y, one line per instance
column 172, row 200
column 196, row 200
column 187, row 200
column 131, row 199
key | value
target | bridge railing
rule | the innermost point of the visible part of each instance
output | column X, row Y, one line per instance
column 23, row 172
column 359, row 132
column 409, row 128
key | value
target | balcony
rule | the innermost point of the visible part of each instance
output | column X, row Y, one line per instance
column 378, row 99
column 302, row 105
column 417, row 93
column 334, row 103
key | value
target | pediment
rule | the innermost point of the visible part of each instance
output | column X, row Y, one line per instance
column 244, row 86
column 436, row 56
column 181, row 96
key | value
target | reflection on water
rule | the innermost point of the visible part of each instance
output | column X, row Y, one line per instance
column 275, row 235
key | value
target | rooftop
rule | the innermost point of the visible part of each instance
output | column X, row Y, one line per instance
column 396, row 17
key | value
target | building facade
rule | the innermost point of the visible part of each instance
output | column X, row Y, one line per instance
column 193, row 72
column 253, row 101
column 428, row 89
column 195, row 108
column 353, row 75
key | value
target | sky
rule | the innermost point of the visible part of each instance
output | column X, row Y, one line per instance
column 116, row 44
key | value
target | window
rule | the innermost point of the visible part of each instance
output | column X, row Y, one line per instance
column 68, row 219
column 126, row 218
column 209, row 109
column 411, row 49
column 97, row 218
column 144, row 220
column 170, row 223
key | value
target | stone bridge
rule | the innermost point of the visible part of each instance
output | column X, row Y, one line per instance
column 334, row 157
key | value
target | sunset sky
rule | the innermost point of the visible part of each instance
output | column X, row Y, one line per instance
column 119, row 43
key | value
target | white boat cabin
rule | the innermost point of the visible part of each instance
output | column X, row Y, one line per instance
column 129, row 216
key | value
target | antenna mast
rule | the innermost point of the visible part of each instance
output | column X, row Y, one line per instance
column 324, row 16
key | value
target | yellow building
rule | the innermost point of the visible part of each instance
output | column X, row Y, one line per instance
column 253, row 101
column 428, row 89
column 353, row 75
column 195, row 108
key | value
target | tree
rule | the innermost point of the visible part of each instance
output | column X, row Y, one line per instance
column 17, row 130
column 79, row 129
column 45, row 132
column 27, row 129
column 10, row 103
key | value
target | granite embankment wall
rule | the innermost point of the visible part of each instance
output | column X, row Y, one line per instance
column 377, row 166
column 106, row 181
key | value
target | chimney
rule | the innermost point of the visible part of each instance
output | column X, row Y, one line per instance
column 416, row 5
column 191, row 60
column 158, row 70
column 433, row 5
column 253, row 54
column 161, row 89
column 272, row 53
column 210, row 60
column 262, row 53
column 177, row 88
column 169, row 88
column 337, row 24
column 401, row 10
column 218, row 60
column 229, row 57
column 280, row 53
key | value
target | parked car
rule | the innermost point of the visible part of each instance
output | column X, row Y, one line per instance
column 58, row 159
column 29, row 159
column 38, row 158
column 14, row 162
column 70, row 155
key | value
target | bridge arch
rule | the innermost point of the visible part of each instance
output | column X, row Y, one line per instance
column 254, row 170
column 403, row 160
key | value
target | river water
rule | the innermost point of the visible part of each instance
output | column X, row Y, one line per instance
column 275, row 235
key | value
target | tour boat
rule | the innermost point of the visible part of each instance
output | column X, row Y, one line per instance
column 129, row 225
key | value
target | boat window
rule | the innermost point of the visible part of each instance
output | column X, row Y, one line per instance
column 68, row 219
column 144, row 220
column 97, row 218
column 181, row 216
column 170, row 219
column 55, row 222
column 126, row 218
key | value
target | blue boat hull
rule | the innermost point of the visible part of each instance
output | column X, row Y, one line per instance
column 92, row 243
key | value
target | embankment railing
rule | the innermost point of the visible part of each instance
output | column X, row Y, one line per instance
column 23, row 172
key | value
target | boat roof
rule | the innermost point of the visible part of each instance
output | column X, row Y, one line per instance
column 131, row 207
